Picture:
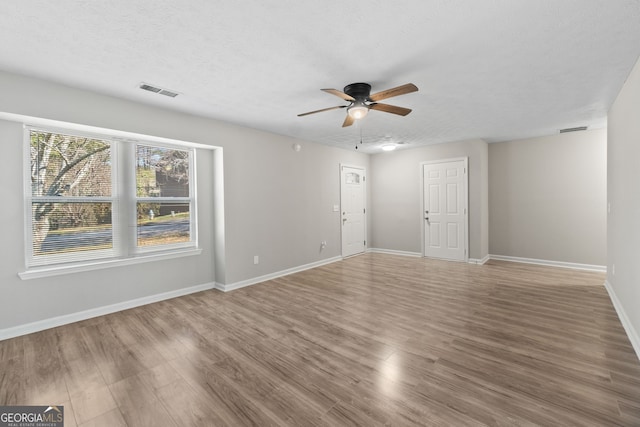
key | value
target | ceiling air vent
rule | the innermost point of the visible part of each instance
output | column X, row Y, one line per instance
column 158, row 90
column 576, row 129
column 168, row 93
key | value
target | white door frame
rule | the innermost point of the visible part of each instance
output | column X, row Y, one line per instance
column 364, row 201
column 465, row 196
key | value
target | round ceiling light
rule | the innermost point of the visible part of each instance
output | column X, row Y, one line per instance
column 358, row 110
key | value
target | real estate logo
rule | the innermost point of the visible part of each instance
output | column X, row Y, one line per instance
column 31, row 416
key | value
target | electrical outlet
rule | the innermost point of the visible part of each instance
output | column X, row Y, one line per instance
column 323, row 244
column 256, row 259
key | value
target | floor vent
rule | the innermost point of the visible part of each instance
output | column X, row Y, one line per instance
column 576, row 129
column 158, row 90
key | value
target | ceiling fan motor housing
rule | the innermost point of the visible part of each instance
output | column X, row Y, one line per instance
column 359, row 91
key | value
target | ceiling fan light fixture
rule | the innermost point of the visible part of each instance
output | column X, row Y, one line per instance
column 358, row 110
column 361, row 101
column 388, row 147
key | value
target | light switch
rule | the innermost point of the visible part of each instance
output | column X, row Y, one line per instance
column 336, row 208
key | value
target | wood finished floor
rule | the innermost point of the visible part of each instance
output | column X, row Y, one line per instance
column 372, row 340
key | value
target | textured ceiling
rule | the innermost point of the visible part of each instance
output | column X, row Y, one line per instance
column 491, row 69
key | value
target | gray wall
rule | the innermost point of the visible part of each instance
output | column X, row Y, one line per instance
column 547, row 198
column 623, row 179
column 395, row 206
column 278, row 203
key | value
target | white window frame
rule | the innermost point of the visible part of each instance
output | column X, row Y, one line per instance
column 123, row 200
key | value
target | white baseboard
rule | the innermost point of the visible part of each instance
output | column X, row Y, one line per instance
column 622, row 315
column 419, row 255
column 573, row 265
column 481, row 261
column 394, row 252
column 54, row 322
column 271, row 276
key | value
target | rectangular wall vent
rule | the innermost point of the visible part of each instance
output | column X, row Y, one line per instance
column 158, row 90
column 576, row 129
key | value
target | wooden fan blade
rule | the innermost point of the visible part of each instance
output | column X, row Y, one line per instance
column 320, row 111
column 401, row 111
column 339, row 94
column 348, row 121
column 400, row 90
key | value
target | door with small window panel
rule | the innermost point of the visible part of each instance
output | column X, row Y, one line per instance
column 352, row 210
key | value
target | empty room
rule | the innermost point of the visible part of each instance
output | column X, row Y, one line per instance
column 415, row 213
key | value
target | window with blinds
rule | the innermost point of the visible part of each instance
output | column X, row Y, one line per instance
column 88, row 193
column 163, row 196
column 71, row 197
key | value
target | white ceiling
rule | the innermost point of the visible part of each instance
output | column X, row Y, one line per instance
column 491, row 69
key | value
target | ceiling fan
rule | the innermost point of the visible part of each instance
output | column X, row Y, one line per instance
column 358, row 94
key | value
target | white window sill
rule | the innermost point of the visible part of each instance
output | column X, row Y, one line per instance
column 57, row 270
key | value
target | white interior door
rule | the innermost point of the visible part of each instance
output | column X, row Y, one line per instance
column 352, row 210
column 445, row 210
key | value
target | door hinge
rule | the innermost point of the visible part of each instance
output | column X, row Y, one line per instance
column 364, row 210
column 365, row 243
column 364, row 178
column 464, row 170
